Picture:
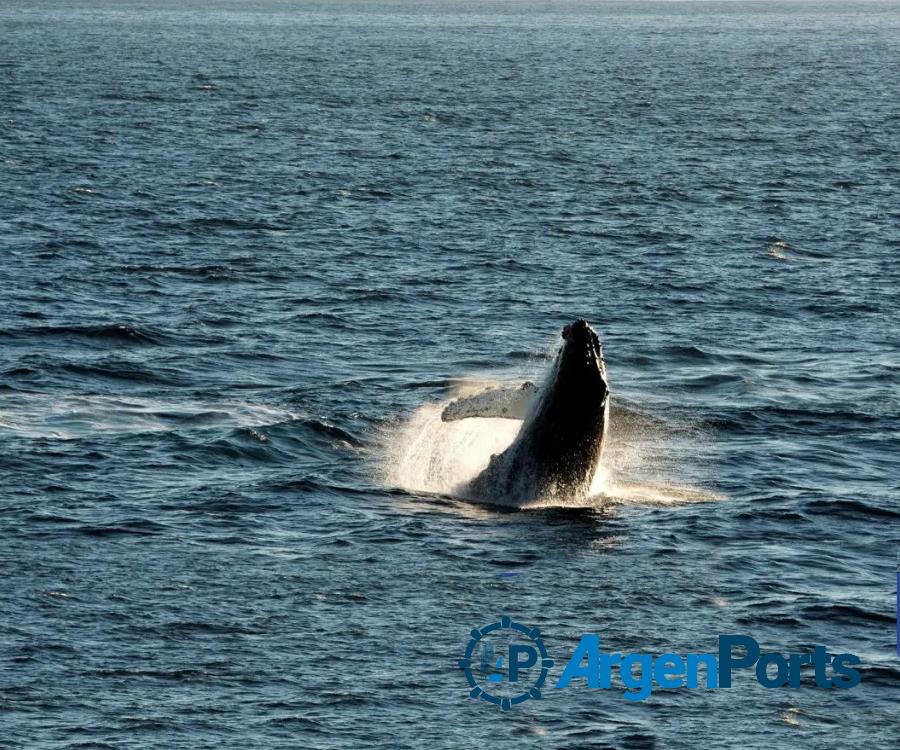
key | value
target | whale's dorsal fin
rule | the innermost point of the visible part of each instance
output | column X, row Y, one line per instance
column 508, row 403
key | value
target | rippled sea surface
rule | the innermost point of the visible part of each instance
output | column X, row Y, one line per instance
column 248, row 249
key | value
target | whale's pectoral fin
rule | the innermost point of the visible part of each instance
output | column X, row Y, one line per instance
column 509, row 403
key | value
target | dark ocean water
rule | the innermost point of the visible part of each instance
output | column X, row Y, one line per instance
column 244, row 246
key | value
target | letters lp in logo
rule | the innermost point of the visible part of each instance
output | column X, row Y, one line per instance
column 505, row 663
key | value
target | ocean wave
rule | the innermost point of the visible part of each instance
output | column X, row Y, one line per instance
column 73, row 416
column 118, row 334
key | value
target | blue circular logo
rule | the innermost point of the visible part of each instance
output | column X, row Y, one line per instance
column 505, row 663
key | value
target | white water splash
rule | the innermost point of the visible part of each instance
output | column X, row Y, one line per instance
column 429, row 455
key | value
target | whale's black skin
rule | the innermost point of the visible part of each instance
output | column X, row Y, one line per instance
column 558, row 448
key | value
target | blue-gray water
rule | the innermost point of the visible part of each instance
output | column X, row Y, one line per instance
column 243, row 244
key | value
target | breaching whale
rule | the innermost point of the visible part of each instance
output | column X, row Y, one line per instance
column 558, row 447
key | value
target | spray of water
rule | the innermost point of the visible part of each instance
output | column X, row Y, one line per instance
column 425, row 454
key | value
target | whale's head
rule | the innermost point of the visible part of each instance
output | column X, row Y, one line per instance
column 580, row 363
column 582, row 343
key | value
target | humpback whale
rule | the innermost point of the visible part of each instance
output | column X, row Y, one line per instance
column 557, row 449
